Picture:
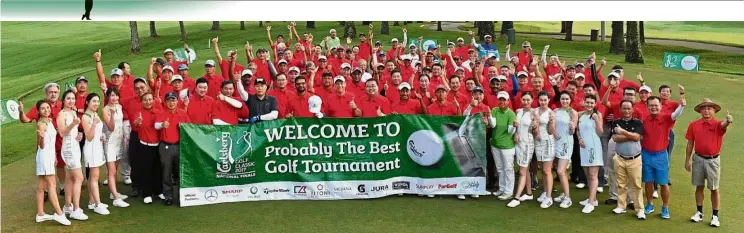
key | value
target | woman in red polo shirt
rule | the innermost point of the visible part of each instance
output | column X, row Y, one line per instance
column 149, row 160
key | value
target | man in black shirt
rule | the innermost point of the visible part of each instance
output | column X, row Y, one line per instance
column 261, row 107
column 626, row 135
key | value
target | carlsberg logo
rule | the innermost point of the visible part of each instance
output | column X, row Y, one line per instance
column 227, row 165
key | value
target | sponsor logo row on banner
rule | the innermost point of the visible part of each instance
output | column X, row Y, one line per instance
column 330, row 190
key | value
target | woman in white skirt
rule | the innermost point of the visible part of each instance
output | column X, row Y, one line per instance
column 114, row 145
column 93, row 151
column 46, row 137
column 565, row 125
column 525, row 144
column 590, row 127
column 545, row 146
column 68, row 122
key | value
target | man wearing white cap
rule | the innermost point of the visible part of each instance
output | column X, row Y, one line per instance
column 332, row 41
column 340, row 104
column 502, row 145
column 461, row 49
column 398, row 49
column 643, row 93
column 524, row 56
column 215, row 80
column 176, row 85
column 405, row 105
column 486, row 48
column 406, row 67
column 223, row 64
column 171, row 60
column 282, row 66
column 159, row 83
column 442, row 107
column 413, row 52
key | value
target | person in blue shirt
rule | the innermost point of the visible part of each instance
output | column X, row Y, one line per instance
column 487, row 47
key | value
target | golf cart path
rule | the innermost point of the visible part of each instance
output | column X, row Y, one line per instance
column 453, row 26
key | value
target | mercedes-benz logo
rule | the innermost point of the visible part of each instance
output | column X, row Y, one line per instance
column 254, row 190
column 320, row 187
column 210, row 195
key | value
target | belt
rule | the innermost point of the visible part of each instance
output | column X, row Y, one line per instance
column 243, row 120
column 630, row 158
column 148, row 144
column 171, row 144
column 708, row 157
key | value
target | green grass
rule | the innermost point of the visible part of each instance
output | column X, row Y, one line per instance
column 36, row 53
column 714, row 32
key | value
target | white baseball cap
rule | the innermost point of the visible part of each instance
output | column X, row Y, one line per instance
column 246, row 72
column 406, row 57
column 579, row 75
column 614, row 74
column 294, row 68
column 521, row 73
column 415, row 63
column 404, row 85
column 209, row 63
column 394, row 40
column 339, row 78
column 503, row 94
column 491, row 55
column 345, row 65
column 645, row 88
column 168, row 50
column 366, row 76
column 459, row 68
column 116, row 71
column 332, row 31
column 321, row 57
column 282, row 61
column 486, row 36
column 176, row 77
column 315, row 102
column 460, row 39
column 168, row 68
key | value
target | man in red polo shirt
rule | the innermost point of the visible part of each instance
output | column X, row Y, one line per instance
column 355, row 85
column 704, row 137
column 405, row 105
column 476, row 104
column 167, row 123
column 442, row 107
column 200, row 105
column 455, row 94
column 226, row 110
column 391, row 90
column 340, row 103
column 225, row 64
column 668, row 106
column 372, row 104
column 496, row 85
column 282, row 94
column 215, row 80
column 298, row 104
column 188, row 82
column 643, row 93
column 656, row 127
column 170, row 58
column 365, row 49
column 324, row 91
column 525, row 56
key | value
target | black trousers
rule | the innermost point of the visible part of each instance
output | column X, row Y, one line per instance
column 148, row 170
column 169, row 165
column 88, row 7
column 82, row 144
column 134, row 151
column 577, row 172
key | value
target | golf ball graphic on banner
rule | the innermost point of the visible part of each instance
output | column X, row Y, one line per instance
column 425, row 147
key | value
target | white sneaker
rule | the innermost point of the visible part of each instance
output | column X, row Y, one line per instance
column 102, row 210
column 542, row 197
column 641, row 215
column 505, row 196
column 546, row 204
column 560, row 198
column 600, row 189
column 42, row 218
column 122, row 196
column 584, row 202
column 78, row 215
column 400, row 194
column 127, row 180
column 67, row 209
column 498, row 193
column 161, row 197
column 61, row 219
column 714, row 222
column 148, row 200
column 461, row 197
column 566, row 203
column 513, row 203
column 698, row 217
column 120, row 203
column 105, row 182
column 619, row 211
column 587, row 209
column 475, row 196
column 656, row 194
column 526, row 197
column 93, row 206
column 580, row 185
column 431, row 195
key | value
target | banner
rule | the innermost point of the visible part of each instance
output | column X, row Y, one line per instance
column 678, row 61
column 425, row 43
column 180, row 54
column 327, row 159
column 9, row 111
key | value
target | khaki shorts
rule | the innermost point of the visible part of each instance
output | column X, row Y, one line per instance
column 706, row 170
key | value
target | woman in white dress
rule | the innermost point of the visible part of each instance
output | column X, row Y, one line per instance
column 526, row 123
column 93, row 151
column 68, row 122
column 590, row 127
column 545, row 147
column 114, row 145
column 45, row 160
column 565, row 125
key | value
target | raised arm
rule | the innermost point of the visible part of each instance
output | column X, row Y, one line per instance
column 150, row 79
column 268, row 35
column 544, row 55
column 248, row 51
column 99, row 70
column 507, row 54
column 216, row 49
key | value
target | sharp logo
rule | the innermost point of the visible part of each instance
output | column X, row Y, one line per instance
column 447, row 186
column 300, row 189
column 401, row 185
column 211, row 195
column 227, row 166
column 471, row 184
column 232, row 191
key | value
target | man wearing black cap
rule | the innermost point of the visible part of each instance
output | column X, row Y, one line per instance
column 167, row 123
column 261, row 107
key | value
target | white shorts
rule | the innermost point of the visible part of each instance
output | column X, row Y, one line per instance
column 564, row 148
column 45, row 162
column 524, row 153
column 545, row 150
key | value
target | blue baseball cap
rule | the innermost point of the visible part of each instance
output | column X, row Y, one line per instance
column 183, row 67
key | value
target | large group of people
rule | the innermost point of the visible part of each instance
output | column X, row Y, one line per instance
column 541, row 113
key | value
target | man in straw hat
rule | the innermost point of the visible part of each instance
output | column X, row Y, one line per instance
column 705, row 136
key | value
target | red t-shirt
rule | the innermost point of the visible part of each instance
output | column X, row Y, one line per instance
column 552, row 69
column 525, row 58
column 133, row 106
column 224, row 68
column 214, row 84
column 262, row 69
column 365, row 50
column 444, row 109
column 481, row 108
column 656, row 132
column 423, row 96
column 200, row 109
column 369, row 106
column 338, row 106
column 356, row 88
column 225, row 112
column 462, row 100
column 299, row 106
column 282, row 100
column 410, row 106
column 323, row 93
column 463, row 51
column 390, row 55
column 171, row 135
column 392, row 93
column 707, row 135
column 146, row 131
